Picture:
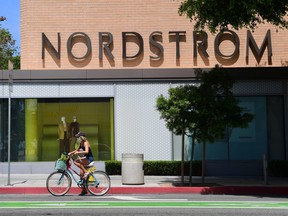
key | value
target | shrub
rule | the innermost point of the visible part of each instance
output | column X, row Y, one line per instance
column 169, row 168
column 113, row 167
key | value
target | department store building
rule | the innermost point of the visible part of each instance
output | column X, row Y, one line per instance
column 106, row 62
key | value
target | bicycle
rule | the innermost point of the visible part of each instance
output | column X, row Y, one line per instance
column 58, row 183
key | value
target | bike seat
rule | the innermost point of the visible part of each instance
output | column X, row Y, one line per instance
column 90, row 164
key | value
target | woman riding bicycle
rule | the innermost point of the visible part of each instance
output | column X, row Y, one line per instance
column 84, row 156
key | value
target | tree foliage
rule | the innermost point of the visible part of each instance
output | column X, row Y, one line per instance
column 218, row 109
column 176, row 111
column 8, row 50
column 219, row 15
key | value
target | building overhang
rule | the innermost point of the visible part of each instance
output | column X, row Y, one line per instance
column 136, row 75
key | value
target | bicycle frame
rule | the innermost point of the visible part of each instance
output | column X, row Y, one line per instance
column 70, row 173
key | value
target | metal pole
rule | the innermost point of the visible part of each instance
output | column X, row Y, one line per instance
column 10, row 88
column 265, row 170
column 9, row 134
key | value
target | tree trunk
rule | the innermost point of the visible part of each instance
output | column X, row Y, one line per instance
column 182, row 158
column 203, row 163
column 191, row 160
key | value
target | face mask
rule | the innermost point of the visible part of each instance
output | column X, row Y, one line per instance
column 77, row 144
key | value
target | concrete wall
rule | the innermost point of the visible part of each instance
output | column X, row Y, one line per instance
column 37, row 167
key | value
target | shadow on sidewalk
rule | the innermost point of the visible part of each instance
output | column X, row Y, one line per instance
column 249, row 190
column 186, row 184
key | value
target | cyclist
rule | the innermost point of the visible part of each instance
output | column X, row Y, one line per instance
column 84, row 156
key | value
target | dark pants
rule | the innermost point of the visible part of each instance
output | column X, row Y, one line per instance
column 64, row 144
column 72, row 144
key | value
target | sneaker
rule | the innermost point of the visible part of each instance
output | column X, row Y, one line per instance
column 84, row 192
column 81, row 182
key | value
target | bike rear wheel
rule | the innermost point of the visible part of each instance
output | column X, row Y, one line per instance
column 58, row 183
column 98, row 183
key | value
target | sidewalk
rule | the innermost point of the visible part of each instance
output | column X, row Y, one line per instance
column 36, row 184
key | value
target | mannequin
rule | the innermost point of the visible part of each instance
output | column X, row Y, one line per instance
column 63, row 135
column 73, row 130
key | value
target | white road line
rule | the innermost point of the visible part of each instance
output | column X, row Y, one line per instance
column 132, row 198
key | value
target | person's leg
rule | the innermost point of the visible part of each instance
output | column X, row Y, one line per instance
column 82, row 172
column 79, row 165
column 84, row 162
column 61, row 146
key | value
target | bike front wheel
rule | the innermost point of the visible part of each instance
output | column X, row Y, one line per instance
column 58, row 183
column 98, row 183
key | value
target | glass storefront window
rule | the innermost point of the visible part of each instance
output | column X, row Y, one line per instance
column 243, row 143
column 37, row 130
column 17, row 130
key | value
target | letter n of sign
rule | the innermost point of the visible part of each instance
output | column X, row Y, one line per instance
column 48, row 45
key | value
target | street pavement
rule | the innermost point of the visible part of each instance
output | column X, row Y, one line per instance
column 36, row 184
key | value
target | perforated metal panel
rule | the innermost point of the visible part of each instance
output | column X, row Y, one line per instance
column 258, row 88
column 86, row 90
column 138, row 128
column 253, row 87
column 32, row 90
column 46, row 90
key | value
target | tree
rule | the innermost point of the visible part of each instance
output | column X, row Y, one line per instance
column 175, row 110
column 219, row 15
column 8, row 50
column 203, row 111
column 216, row 109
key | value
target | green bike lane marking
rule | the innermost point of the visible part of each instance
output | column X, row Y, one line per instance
column 150, row 204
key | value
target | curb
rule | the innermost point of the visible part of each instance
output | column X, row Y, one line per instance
column 220, row 190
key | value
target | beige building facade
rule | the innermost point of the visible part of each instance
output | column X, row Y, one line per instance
column 107, row 61
column 136, row 34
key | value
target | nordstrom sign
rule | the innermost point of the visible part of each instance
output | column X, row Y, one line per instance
column 157, row 49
